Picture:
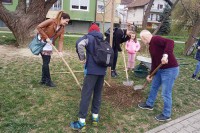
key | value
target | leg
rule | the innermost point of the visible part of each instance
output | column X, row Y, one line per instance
column 168, row 77
column 96, row 102
column 154, row 89
column 88, row 87
column 45, row 67
column 197, row 68
column 115, row 59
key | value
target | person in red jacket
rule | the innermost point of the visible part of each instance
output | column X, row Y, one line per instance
column 161, row 51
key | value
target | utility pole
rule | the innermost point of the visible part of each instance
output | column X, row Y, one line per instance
column 111, row 32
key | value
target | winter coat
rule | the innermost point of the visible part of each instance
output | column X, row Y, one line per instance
column 87, row 42
column 132, row 47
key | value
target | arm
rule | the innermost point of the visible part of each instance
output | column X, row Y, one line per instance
column 42, row 25
column 138, row 46
column 80, row 48
column 60, row 42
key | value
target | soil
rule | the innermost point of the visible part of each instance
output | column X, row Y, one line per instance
column 121, row 96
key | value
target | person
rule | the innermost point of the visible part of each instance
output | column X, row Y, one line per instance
column 93, row 81
column 132, row 46
column 197, row 57
column 49, row 30
column 161, row 51
column 119, row 36
column 132, row 27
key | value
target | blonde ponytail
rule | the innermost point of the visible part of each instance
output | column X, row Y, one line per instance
column 58, row 17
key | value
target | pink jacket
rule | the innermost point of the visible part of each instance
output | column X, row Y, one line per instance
column 132, row 47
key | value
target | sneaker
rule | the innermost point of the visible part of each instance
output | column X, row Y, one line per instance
column 50, row 84
column 79, row 126
column 145, row 106
column 193, row 76
column 116, row 73
column 161, row 117
column 198, row 79
column 95, row 121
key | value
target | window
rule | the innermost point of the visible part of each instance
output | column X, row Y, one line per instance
column 100, row 6
column 160, row 7
column 157, row 17
column 79, row 5
column 7, row 1
column 57, row 5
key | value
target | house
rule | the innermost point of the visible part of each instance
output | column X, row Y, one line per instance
column 136, row 10
column 103, row 11
column 82, row 13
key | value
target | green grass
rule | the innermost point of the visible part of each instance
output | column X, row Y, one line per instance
column 26, row 106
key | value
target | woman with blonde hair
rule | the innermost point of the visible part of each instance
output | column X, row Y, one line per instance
column 49, row 30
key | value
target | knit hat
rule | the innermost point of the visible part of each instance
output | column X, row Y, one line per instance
column 94, row 27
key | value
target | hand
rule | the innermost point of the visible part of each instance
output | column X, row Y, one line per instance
column 49, row 41
column 60, row 54
column 164, row 59
column 198, row 47
column 83, row 61
column 148, row 78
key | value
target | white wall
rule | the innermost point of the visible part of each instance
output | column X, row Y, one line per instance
column 135, row 15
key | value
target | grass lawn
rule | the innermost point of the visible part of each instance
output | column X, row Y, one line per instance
column 26, row 106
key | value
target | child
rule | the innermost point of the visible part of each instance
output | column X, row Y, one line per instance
column 197, row 57
column 132, row 46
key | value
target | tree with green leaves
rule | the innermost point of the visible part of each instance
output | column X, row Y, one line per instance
column 25, row 18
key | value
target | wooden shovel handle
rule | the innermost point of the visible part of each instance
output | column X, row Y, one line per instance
column 155, row 70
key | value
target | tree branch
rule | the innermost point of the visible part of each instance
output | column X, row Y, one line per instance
column 187, row 12
column 147, row 13
column 4, row 13
column 21, row 6
column 48, row 4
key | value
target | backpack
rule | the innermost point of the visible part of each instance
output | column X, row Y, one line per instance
column 103, row 54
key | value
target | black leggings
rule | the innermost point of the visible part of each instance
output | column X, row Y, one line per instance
column 46, row 77
column 113, row 67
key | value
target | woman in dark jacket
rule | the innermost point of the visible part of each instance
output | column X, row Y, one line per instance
column 49, row 31
column 197, row 57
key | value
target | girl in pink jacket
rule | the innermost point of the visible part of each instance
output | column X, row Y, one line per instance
column 132, row 46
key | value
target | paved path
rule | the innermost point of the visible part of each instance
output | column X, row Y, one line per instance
column 187, row 124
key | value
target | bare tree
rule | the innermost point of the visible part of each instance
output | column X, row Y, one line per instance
column 146, row 15
column 25, row 18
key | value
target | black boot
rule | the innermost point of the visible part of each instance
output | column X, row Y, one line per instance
column 50, row 84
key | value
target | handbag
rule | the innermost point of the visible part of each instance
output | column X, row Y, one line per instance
column 36, row 45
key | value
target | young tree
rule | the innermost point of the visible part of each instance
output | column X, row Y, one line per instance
column 165, row 28
column 25, row 18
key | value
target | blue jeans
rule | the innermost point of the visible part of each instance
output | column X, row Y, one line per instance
column 197, row 68
column 164, row 78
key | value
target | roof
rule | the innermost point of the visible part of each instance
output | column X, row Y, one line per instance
column 126, row 2
column 138, row 3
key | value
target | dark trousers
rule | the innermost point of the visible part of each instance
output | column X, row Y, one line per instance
column 113, row 67
column 46, row 77
column 93, row 84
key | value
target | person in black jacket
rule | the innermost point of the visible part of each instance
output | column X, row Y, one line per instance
column 93, row 81
column 119, row 36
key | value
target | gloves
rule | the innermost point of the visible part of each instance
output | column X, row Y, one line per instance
column 164, row 59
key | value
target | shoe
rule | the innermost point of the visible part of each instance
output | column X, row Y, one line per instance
column 161, row 117
column 42, row 82
column 116, row 73
column 50, row 84
column 113, row 74
column 95, row 121
column 145, row 106
column 193, row 76
column 77, row 125
column 198, row 79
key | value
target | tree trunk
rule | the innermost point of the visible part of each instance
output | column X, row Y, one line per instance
column 23, row 20
column 146, row 15
column 167, row 15
column 194, row 32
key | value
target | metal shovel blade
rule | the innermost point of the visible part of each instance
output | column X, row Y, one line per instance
column 138, row 87
column 128, row 83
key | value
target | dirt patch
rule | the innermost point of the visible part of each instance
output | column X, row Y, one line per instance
column 122, row 96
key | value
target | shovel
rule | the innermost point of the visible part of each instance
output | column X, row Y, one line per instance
column 139, row 87
column 127, row 82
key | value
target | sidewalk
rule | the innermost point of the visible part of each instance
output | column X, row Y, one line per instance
column 187, row 124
